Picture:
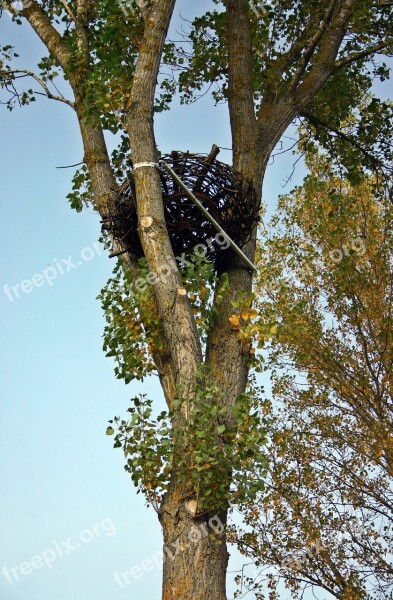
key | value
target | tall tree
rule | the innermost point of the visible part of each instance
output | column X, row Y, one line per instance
column 273, row 64
column 324, row 518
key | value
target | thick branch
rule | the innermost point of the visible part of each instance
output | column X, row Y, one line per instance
column 312, row 45
column 82, row 32
column 280, row 108
column 225, row 353
column 96, row 156
column 324, row 63
column 52, row 39
column 174, row 307
column 105, row 191
column 241, row 87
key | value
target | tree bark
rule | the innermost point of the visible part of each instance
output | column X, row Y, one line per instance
column 195, row 552
column 226, row 355
column 106, row 193
column 174, row 307
column 195, row 559
column 254, row 138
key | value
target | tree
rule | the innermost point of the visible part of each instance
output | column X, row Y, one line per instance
column 328, row 491
column 272, row 64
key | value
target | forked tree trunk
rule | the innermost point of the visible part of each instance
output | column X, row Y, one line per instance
column 195, row 553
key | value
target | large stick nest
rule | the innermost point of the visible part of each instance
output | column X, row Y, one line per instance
column 220, row 189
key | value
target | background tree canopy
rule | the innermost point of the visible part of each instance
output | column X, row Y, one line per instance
column 327, row 277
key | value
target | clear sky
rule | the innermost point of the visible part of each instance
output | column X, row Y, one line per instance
column 69, row 514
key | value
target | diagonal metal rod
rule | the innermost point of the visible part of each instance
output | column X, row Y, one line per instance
column 212, row 220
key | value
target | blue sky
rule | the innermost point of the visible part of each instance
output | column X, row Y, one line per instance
column 63, row 484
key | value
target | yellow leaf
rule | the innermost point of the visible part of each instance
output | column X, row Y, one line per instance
column 235, row 322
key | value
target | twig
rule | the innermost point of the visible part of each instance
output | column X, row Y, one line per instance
column 347, row 60
column 18, row 73
column 64, row 3
column 317, row 122
column 71, row 166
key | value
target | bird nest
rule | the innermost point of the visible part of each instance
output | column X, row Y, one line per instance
column 219, row 188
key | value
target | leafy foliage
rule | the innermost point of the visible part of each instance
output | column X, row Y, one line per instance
column 253, row 330
column 81, row 193
column 200, row 280
column 279, row 37
column 215, row 461
column 358, row 146
column 217, row 458
column 147, row 445
column 322, row 298
column 125, row 336
column 323, row 517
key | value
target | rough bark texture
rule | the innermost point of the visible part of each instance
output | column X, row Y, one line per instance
column 105, row 192
column 192, row 570
column 174, row 307
column 254, row 138
column 195, row 553
column 194, row 563
column 225, row 353
column 96, row 155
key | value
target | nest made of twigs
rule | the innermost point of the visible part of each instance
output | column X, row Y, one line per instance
column 220, row 189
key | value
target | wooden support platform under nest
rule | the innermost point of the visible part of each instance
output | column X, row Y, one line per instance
column 221, row 191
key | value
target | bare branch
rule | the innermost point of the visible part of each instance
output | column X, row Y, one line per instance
column 347, row 60
column 68, row 9
column 72, row 166
column 19, row 73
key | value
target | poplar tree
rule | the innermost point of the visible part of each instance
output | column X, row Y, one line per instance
column 273, row 64
column 322, row 517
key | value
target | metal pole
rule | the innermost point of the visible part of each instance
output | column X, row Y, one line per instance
column 212, row 220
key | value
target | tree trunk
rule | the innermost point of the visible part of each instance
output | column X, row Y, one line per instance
column 174, row 307
column 195, row 554
column 195, row 551
column 226, row 354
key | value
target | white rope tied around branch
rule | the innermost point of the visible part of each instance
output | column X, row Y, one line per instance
column 145, row 164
